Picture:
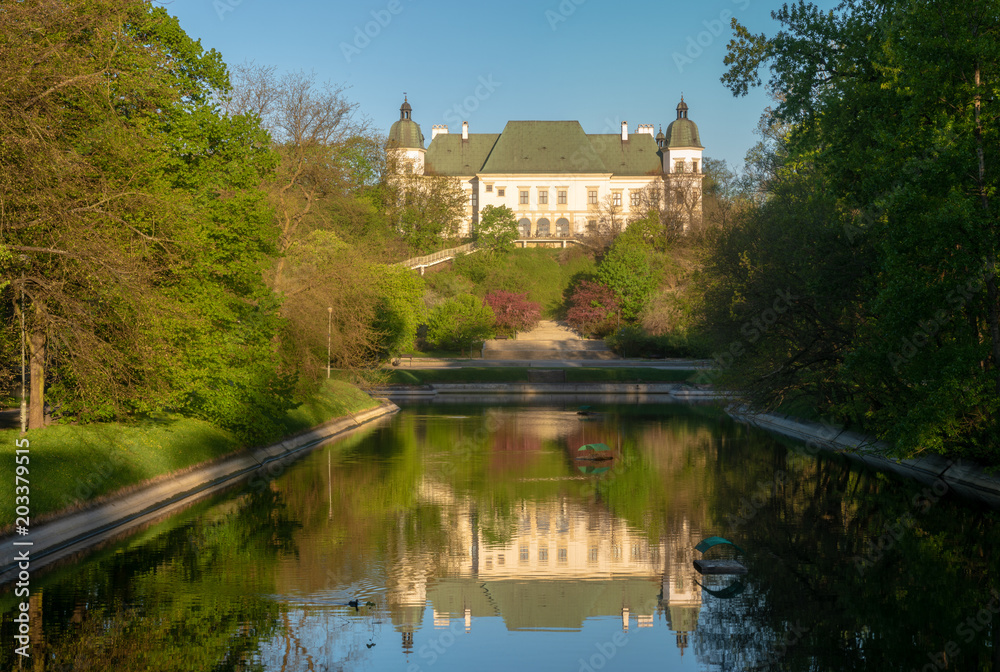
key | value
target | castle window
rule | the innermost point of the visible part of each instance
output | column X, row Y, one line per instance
column 616, row 199
column 524, row 198
column 592, row 197
column 634, row 199
column 561, row 196
column 694, row 166
column 678, row 166
column 543, row 197
column 500, row 192
column 475, row 199
column 489, row 188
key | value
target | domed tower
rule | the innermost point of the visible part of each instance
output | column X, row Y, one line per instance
column 682, row 148
column 406, row 141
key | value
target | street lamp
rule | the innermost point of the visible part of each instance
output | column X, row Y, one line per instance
column 329, row 333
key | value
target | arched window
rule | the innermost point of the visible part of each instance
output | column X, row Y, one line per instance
column 524, row 228
column 543, row 228
column 562, row 227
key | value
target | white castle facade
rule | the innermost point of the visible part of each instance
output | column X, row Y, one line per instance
column 557, row 179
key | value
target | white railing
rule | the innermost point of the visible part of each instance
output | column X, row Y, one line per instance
column 438, row 257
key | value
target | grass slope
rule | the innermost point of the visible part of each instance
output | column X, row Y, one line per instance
column 70, row 465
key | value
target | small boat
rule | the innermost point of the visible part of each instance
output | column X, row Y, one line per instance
column 594, row 451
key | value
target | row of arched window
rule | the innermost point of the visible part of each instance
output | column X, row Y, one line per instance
column 544, row 228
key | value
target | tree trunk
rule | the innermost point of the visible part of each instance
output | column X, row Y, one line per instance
column 36, row 408
column 992, row 293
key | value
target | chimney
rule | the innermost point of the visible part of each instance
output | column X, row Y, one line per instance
column 624, row 131
column 437, row 130
column 465, row 130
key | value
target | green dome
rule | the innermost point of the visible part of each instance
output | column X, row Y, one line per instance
column 405, row 133
column 682, row 132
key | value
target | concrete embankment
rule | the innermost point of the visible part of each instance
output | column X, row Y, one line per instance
column 79, row 531
column 942, row 474
column 560, row 392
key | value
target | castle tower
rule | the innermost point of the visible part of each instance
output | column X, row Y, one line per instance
column 681, row 149
column 682, row 145
column 406, row 141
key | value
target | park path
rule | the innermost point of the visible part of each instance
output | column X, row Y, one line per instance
column 550, row 341
column 549, row 330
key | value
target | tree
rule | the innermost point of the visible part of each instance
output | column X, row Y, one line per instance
column 428, row 209
column 459, row 322
column 513, row 311
column 888, row 101
column 668, row 209
column 497, row 229
column 626, row 270
column 593, row 309
column 130, row 208
column 321, row 145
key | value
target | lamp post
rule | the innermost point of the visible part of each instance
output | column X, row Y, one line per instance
column 329, row 335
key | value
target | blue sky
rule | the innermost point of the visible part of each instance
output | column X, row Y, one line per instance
column 595, row 61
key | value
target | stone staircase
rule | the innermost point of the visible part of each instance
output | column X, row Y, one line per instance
column 548, row 341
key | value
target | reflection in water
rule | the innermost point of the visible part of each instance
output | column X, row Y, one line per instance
column 472, row 539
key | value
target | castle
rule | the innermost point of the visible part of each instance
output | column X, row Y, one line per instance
column 557, row 179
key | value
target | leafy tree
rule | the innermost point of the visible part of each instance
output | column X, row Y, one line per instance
column 593, row 309
column 131, row 210
column 627, row 271
column 513, row 311
column 497, row 229
column 459, row 322
column 888, row 100
column 398, row 311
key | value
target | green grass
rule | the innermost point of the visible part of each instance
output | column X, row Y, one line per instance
column 543, row 273
column 519, row 374
column 71, row 464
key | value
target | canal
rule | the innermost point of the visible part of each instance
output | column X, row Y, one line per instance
column 462, row 537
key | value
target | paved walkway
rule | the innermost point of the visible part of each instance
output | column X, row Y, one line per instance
column 550, row 330
column 548, row 341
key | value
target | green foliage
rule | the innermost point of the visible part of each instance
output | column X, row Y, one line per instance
column 398, row 311
column 626, row 269
column 544, row 274
column 631, row 340
column 891, row 130
column 459, row 322
column 428, row 210
column 497, row 229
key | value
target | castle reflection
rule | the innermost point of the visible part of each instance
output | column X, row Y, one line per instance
column 566, row 561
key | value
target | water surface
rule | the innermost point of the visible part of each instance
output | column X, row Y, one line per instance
column 476, row 538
